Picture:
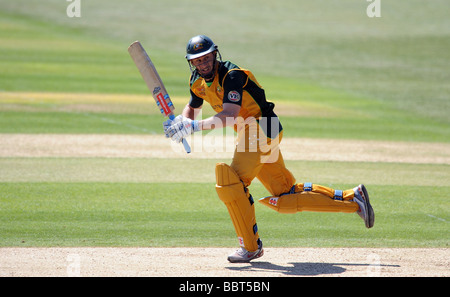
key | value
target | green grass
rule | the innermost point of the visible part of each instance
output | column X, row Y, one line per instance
column 37, row 56
column 151, row 214
column 331, row 71
column 377, row 82
column 79, row 123
column 400, row 59
column 147, row 170
column 97, row 123
column 136, row 202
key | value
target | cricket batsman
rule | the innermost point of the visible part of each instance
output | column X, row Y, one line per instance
column 239, row 100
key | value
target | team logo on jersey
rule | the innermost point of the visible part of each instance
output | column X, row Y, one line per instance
column 201, row 91
column 234, row 96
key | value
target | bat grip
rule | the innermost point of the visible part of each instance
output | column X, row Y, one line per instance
column 187, row 148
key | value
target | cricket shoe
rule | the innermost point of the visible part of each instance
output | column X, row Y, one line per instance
column 365, row 210
column 241, row 255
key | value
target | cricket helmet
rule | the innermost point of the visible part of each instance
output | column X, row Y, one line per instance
column 198, row 46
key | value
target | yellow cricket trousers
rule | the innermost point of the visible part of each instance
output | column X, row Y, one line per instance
column 258, row 156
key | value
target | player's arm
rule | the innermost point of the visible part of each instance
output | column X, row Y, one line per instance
column 220, row 120
column 233, row 87
column 224, row 118
column 193, row 108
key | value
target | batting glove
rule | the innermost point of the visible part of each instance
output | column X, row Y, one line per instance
column 170, row 122
column 177, row 130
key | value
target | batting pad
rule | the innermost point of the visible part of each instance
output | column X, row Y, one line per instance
column 312, row 197
column 240, row 206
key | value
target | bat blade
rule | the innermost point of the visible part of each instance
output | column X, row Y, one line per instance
column 154, row 82
column 151, row 77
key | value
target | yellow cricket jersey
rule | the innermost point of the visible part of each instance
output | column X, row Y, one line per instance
column 235, row 85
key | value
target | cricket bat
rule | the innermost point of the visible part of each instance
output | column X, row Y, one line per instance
column 154, row 82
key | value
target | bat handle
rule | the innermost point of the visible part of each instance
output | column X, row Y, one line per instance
column 187, row 148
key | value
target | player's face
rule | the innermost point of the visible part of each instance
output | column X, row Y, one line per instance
column 205, row 65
